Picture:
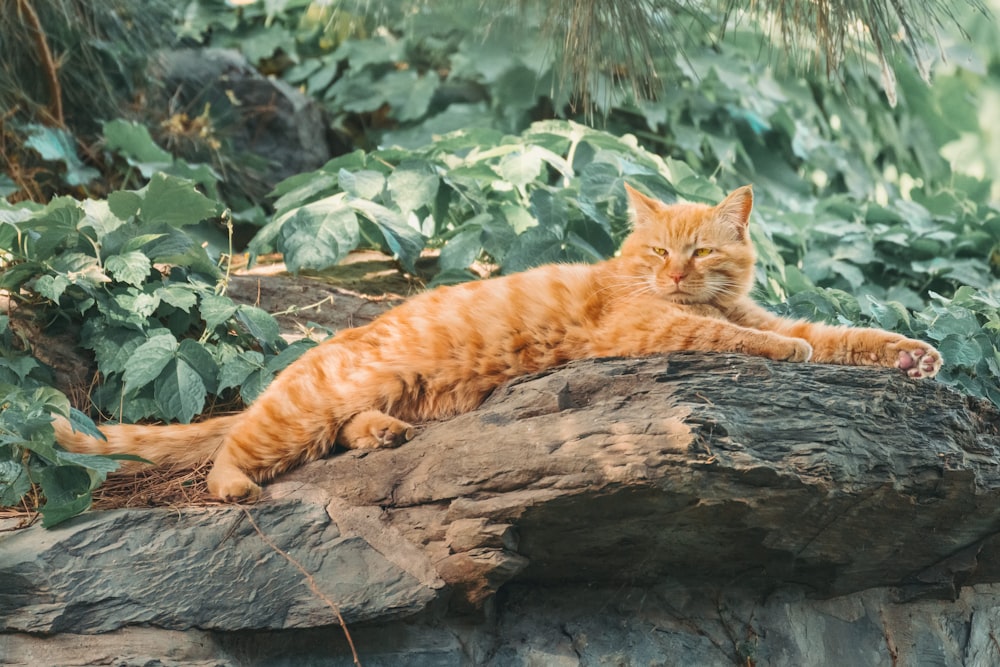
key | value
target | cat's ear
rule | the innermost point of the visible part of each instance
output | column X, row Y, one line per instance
column 640, row 207
column 735, row 209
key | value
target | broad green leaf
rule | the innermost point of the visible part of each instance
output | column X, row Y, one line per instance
column 539, row 245
column 149, row 360
column 413, row 186
column 67, row 492
column 236, row 368
column 14, row 482
column 51, row 287
column 403, row 240
column 216, row 310
column 179, row 390
column 96, row 462
column 83, row 424
column 255, row 384
column 130, row 267
column 960, row 351
column 52, row 230
column 20, row 366
column 283, row 359
column 58, row 145
column 174, row 202
column 462, row 249
column 319, row 235
column 138, row 304
column 409, row 93
column 124, row 203
column 201, row 360
column 182, row 297
column 522, row 167
column 320, row 184
column 259, row 324
column 365, row 184
column 134, row 142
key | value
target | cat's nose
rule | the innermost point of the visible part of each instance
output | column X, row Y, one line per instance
column 676, row 277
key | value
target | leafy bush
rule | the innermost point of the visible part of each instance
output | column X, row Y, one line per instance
column 148, row 303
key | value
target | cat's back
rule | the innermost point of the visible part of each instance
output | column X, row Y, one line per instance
column 496, row 318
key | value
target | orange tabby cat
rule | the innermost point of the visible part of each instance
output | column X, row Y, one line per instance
column 680, row 283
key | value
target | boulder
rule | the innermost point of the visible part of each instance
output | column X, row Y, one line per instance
column 690, row 508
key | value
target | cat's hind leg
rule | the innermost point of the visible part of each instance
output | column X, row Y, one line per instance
column 372, row 429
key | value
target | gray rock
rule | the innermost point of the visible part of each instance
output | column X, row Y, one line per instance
column 198, row 568
column 690, row 509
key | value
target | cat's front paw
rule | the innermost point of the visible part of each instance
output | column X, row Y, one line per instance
column 916, row 358
column 800, row 350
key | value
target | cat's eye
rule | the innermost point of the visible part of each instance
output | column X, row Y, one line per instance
column 662, row 252
column 702, row 252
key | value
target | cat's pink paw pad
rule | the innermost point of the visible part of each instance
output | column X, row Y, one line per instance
column 921, row 361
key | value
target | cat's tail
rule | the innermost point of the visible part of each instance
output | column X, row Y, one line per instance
column 183, row 445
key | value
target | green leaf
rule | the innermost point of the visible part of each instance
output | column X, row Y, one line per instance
column 201, row 360
column 134, row 142
column 81, row 423
column 461, row 250
column 521, row 168
column 216, row 310
column 179, row 390
column 182, row 297
column 67, row 492
column 124, row 203
column 174, row 201
column 237, row 367
column 403, row 240
column 51, row 287
column 149, row 360
column 137, row 304
column 21, row 366
column 364, row 184
column 57, row 145
column 413, row 186
column 14, row 482
column 130, row 267
column 255, row 384
column 319, row 235
column 960, row 351
column 260, row 325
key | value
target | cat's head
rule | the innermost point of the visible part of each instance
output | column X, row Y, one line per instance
column 691, row 253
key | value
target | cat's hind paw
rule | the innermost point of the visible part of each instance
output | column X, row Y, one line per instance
column 918, row 360
column 230, row 484
column 373, row 429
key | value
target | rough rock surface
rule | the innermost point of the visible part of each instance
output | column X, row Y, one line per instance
column 689, row 509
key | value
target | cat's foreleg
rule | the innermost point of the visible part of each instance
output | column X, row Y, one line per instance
column 872, row 347
column 705, row 334
column 853, row 346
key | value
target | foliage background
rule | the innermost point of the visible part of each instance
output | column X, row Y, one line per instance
column 876, row 198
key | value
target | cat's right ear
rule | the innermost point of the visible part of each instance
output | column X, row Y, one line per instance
column 640, row 207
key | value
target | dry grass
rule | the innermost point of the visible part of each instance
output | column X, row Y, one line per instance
column 161, row 486
column 146, row 487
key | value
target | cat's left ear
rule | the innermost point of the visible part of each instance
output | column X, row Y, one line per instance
column 735, row 209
